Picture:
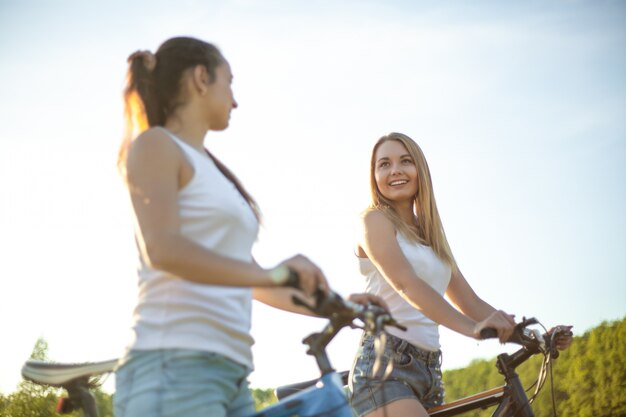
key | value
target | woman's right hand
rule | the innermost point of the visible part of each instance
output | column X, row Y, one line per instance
column 503, row 323
column 311, row 277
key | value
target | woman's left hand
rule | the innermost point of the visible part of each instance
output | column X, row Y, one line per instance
column 563, row 341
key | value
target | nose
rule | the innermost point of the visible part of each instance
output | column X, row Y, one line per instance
column 396, row 169
column 235, row 104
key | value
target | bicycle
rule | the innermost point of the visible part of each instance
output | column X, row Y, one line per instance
column 511, row 399
column 326, row 397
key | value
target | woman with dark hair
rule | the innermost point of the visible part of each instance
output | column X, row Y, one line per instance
column 195, row 225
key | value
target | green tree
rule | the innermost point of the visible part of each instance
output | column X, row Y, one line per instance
column 263, row 397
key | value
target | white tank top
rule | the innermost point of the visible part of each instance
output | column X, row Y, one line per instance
column 176, row 313
column 422, row 331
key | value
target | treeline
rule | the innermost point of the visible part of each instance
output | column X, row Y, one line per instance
column 589, row 377
column 589, row 381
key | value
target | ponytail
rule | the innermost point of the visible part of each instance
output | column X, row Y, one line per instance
column 140, row 101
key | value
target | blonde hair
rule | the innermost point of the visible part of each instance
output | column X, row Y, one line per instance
column 429, row 229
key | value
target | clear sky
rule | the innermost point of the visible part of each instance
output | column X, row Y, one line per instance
column 520, row 108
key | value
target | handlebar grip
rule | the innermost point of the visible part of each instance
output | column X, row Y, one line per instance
column 488, row 333
column 293, row 280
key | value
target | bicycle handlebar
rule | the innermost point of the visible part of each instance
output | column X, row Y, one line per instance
column 530, row 338
column 293, row 281
column 342, row 312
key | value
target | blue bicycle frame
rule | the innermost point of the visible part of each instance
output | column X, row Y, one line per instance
column 327, row 398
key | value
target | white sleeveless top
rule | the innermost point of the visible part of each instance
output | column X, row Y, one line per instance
column 175, row 313
column 421, row 331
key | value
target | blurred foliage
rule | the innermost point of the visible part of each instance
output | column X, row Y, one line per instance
column 263, row 397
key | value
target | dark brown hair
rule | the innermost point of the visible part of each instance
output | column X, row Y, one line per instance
column 153, row 92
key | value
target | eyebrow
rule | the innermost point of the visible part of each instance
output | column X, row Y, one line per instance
column 386, row 158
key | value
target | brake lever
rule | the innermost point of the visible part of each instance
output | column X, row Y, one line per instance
column 520, row 336
column 553, row 335
column 562, row 331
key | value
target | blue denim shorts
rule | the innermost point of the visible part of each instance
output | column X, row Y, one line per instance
column 415, row 373
column 178, row 382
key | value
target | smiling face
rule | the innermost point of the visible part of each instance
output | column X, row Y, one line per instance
column 395, row 172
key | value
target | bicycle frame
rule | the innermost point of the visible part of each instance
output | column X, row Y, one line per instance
column 326, row 398
column 510, row 399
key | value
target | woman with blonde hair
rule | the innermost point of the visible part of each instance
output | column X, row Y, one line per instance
column 405, row 258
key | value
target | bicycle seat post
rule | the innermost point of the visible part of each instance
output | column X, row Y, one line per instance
column 79, row 393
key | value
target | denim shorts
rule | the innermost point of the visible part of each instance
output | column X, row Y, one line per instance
column 178, row 382
column 412, row 373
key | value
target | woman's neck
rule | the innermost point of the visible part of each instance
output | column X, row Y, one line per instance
column 188, row 128
column 405, row 212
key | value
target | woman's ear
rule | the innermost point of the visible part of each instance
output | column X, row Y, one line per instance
column 200, row 79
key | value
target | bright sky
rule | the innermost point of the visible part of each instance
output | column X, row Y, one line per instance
column 519, row 106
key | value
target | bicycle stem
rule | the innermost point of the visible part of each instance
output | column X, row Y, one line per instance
column 506, row 365
column 317, row 343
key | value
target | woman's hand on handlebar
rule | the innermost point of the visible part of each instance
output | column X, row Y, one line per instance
column 310, row 276
column 563, row 341
column 366, row 299
column 503, row 323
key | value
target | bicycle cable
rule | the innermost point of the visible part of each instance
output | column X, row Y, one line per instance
column 374, row 382
column 552, row 342
column 546, row 366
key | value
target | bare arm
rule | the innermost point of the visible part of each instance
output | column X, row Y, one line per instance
column 378, row 241
column 155, row 165
column 463, row 296
column 281, row 298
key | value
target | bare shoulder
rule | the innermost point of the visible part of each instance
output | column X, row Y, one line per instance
column 152, row 142
column 375, row 227
column 377, row 238
column 372, row 217
column 152, row 150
